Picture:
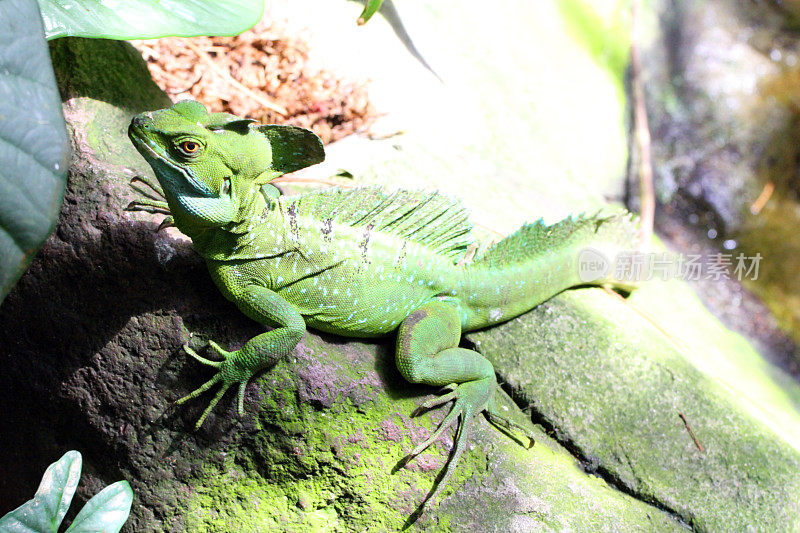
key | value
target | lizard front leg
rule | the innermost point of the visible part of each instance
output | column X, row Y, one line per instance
column 428, row 352
column 262, row 351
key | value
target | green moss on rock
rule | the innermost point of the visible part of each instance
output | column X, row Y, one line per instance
column 612, row 386
column 333, row 425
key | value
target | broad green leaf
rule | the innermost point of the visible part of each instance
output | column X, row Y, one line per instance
column 44, row 513
column 34, row 150
column 146, row 19
column 106, row 512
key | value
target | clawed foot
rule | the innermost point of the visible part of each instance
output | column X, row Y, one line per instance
column 227, row 375
column 153, row 189
column 470, row 398
column 501, row 421
column 152, row 199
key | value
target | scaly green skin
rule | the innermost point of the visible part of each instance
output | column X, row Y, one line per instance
column 359, row 263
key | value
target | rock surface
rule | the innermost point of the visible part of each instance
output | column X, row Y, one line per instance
column 722, row 80
column 91, row 342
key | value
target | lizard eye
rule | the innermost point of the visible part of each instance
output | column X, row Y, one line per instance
column 189, row 147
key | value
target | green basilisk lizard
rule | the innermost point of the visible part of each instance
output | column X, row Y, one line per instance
column 357, row 263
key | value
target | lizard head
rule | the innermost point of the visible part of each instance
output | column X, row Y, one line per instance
column 208, row 163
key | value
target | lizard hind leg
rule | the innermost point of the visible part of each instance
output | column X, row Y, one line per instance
column 428, row 352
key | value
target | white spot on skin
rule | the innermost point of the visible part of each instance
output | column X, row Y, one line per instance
column 495, row 314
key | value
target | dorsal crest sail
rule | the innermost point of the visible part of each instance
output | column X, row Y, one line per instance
column 437, row 222
column 534, row 240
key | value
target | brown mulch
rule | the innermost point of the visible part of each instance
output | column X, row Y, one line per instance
column 260, row 74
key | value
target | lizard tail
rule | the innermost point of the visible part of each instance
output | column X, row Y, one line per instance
column 540, row 260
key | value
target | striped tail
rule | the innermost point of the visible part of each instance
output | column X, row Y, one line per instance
column 539, row 261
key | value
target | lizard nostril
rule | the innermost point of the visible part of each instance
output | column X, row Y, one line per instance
column 140, row 122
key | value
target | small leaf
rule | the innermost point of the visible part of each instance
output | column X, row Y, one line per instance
column 44, row 513
column 342, row 173
column 106, row 512
column 146, row 19
column 34, row 150
column 370, row 8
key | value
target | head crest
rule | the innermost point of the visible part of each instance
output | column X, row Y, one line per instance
column 293, row 148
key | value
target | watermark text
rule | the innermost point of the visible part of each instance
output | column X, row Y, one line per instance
column 634, row 266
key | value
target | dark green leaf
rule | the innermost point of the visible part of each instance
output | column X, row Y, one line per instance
column 44, row 513
column 146, row 19
column 342, row 173
column 34, row 150
column 106, row 512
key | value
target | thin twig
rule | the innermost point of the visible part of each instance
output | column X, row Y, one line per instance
column 188, row 87
column 205, row 58
column 383, row 136
column 487, row 228
column 763, row 198
column 175, row 80
column 643, row 315
column 322, row 181
column 469, row 255
column 689, row 429
column 646, row 190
